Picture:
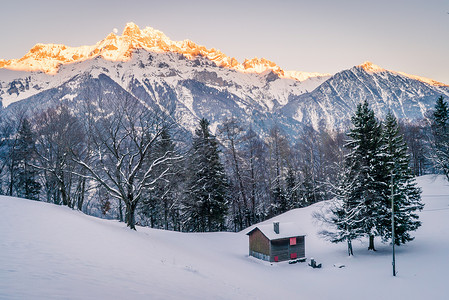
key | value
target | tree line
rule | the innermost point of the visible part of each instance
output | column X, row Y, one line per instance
column 117, row 158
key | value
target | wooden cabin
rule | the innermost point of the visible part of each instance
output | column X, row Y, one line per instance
column 277, row 242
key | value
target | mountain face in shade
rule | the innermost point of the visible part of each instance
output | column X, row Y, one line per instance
column 332, row 103
column 189, row 82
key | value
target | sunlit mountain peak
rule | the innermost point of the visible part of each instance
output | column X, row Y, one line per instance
column 49, row 57
column 370, row 67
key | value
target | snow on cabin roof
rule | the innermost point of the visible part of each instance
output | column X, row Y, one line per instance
column 286, row 230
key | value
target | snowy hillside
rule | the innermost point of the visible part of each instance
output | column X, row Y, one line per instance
column 52, row 252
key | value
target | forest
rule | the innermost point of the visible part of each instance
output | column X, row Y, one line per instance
column 117, row 159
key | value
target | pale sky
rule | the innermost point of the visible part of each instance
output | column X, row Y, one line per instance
column 314, row 35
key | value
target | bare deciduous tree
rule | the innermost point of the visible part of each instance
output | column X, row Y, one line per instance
column 122, row 140
column 59, row 134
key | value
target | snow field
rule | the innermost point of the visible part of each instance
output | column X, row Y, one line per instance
column 53, row 252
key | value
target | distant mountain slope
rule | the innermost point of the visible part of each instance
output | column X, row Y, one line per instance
column 333, row 102
column 188, row 82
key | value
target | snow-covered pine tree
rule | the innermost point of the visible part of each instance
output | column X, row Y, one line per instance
column 26, row 184
column 366, row 172
column 440, row 133
column 309, row 191
column 360, row 188
column 292, row 187
column 205, row 204
column 407, row 196
column 345, row 214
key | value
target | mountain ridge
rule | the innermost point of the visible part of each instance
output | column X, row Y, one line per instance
column 48, row 57
column 190, row 88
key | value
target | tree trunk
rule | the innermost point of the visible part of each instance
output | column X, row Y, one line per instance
column 253, row 191
column 81, row 194
column 120, row 210
column 165, row 214
column 64, row 197
column 239, row 178
column 130, row 218
column 11, row 180
column 371, row 243
column 350, row 248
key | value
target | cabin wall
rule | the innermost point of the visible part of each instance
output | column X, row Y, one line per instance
column 299, row 248
column 283, row 250
column 259, row 243
column 279, row 249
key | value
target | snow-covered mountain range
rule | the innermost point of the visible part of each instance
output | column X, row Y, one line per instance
column 190, row 81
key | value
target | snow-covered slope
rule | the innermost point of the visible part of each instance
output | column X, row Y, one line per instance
column 52, row 252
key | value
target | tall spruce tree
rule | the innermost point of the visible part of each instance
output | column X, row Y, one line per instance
column 406, row 195
column 366, row 173
column 26, row 184
column 205, row 205
column 345, row 215
column 440, row 133
column 355, row 213
column 364, row 190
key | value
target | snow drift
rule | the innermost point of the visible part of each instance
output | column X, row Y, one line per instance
column 52, row 252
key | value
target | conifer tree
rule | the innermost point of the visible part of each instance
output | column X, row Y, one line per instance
column 406, row 195
column 364, row 190
column 346, row 214
column 366, row 171
column 26, row 184
column 309, row 190
column 280, row 202
column 440, row 133
column 205, row 205
column 292, row 189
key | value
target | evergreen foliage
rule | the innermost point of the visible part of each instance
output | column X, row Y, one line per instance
column 205, row 204
column 293, row 198
column 25, row 175
column 406, row 195
column 440, row 133
column 345, row 215
column 364, row 208
column 366, row 172
column 359, row 191
column 309, row 191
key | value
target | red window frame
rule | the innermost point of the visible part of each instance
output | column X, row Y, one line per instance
column 292, row 241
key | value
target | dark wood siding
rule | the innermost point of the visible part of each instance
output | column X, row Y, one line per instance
column 259, row 243
column 299, row 248
column 279, row 248
column 282, row 248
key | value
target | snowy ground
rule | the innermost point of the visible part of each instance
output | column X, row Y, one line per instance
column 52, row 252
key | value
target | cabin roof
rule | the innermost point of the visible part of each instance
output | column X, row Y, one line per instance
column 286, row 230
